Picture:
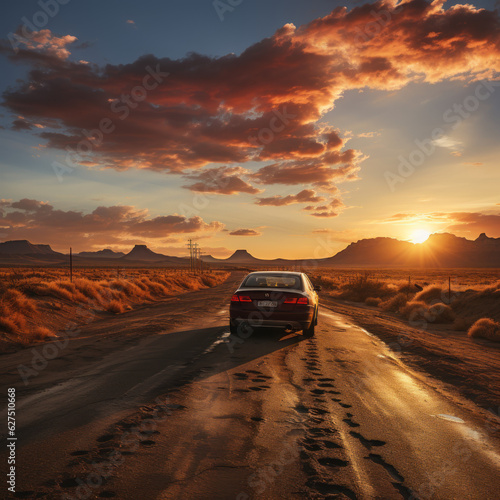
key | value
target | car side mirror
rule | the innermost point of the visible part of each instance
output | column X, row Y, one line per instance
column 317, row 288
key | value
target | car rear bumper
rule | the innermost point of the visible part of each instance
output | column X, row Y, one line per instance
column 298, row 321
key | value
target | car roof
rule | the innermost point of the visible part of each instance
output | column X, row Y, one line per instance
column 291, row 273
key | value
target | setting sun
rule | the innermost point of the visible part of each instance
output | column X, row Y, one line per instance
column 419, row 236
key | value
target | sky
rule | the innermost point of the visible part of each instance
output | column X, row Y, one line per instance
column 284, row 127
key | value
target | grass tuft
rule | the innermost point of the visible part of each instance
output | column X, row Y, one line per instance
column 485, row 328
column 373, row 301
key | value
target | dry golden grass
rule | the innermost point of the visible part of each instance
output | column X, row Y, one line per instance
column 431, row 294
column 42, row 332
column 440, row 313
column 485, row 328
column 418, row 310
column 373, row 301
column 26, row 295
column 115, row 306
column 475, row 293
column 395, row 303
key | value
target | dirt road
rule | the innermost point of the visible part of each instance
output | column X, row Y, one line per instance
column 160, row 403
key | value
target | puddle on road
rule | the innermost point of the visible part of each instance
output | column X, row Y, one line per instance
column 450, row 418
column 368, row 333
column 220, row 340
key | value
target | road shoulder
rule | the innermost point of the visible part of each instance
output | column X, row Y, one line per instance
column 471, row 366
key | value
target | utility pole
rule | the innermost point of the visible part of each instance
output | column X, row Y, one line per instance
column 190, row 246
column 70, row 264
column 196, row 250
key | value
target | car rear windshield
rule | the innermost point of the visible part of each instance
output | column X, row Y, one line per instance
column 272, row 281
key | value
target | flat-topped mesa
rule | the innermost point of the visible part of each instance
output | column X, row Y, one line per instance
column 24, row 247
column 142, row 252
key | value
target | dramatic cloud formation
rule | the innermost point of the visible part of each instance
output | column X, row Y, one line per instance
column 221, row 180
column 39, row 221
column 305, row 196
column 263, row 105
column 245, row 232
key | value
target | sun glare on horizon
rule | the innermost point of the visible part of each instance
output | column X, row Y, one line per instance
column 419, row 236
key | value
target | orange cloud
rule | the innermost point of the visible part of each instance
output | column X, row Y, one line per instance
column 305, row 196
column 40, row 221
column 221, row 180
column 245, row 232
column 475, row 223
column 332, row 209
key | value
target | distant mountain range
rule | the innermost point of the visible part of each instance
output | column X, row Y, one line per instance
column 24, row 247
column 107, row 253
column 440, row 250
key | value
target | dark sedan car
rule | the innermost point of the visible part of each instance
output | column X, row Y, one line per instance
column 278, row 299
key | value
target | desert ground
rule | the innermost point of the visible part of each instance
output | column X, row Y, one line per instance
column 153, row 398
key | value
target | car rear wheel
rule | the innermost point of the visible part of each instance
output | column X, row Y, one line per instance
column 309, row 332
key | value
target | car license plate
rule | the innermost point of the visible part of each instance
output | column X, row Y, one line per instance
column 267, row 303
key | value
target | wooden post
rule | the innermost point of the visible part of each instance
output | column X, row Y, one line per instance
column 70, row 264
column 449, row 289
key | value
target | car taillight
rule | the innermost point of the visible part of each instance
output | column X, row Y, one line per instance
column 303, row 300
column 290, row 300
column 245, row 298
column 235, row 298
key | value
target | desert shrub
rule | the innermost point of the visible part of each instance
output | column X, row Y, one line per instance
column 41, row 332
column 115, row 307
column 491, row 291
column 143, row 286
column 7, row 324
column 440, row 313
column 90, row 289
column 127, row 287
column 431, row 294
column 54, row 290
column 415, row 309
column 326, row 282
column 154, row 287
column 394, row 304
column 11, row 320
column 363, row 287
column 18, row 301
column 485, row 328
column 373, row 301
column 208, row 280
column 406, row 288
